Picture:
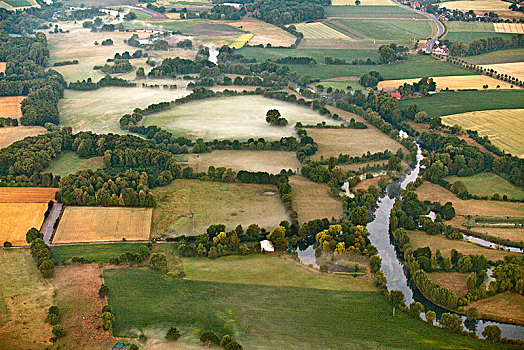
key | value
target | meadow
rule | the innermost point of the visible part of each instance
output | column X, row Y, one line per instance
column 239, row 117
column 487, row 184
column 447, row 103
column 504, row 127
column 364, row 11
column 100, row 253
column 468, row 37
column 317, row 54
column 9, row 135
column 103, row 224
column 340, row 84
column 506, row 306
column 18, row 218
column 495, row 57
column 69, row 163
column 189, row 207
column 455, row 82
column 27, row 194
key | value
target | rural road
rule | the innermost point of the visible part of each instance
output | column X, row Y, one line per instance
column 48, row 227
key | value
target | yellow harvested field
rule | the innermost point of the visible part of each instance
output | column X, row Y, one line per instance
column 9, row 135
column 2, row 67
column 312, row 200
column 517, row 28
column 27, row 194
column 480, row 6
column 10, row 106
column 363, row 3
column 319, row 30
column 504, row 127
column 240, row 41
column 18, row 218
column 264, row 33
column 515, row 69
column 454, row 82
column 171, row 15
column 103, row 224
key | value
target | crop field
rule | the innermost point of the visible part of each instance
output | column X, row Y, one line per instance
column 455, row 83
column 514, row 69
column 10, row 106
column 447, row 103
column 27, row 194
column 103, row 224
column 271, row 161
column 99, row 111
column 18, row 218
column 189, row 207
column 514, row 28
column 100, row 253
column 364, row 3
column 312, row 200
column 457, row 26
column 487, row 184
column 377, row 12
column 454, row 281
column 24, row 298
column 481, row 6
column 69, row 163
column 264, row 33
column 420, row 239
column 505, row 306
column 9, row 135
column 267, row 316
column 239, row 117
column 319, row 30
column 317, row 54
column 496, row 57
column 355, row 142
column 504, row 127
column 431, row 192
column 241, row 41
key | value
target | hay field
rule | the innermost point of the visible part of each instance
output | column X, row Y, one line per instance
column 189, row 207
column 355, row 142
column 504, row 127
column 238, row 117
column 103, row 224
column 27, row 194
column 271, row 161
column 264, row 33
column 454, row 281
column 514, row 28
column 312, row 200
column 9, row 135
column 18, row 218
column 10, row 106
column 494, row 57
column 506, row 306
column 240, row 41
column 319, row 30
column 514, row 69
column 2, row 67
column 480, row 6
column 455, row 82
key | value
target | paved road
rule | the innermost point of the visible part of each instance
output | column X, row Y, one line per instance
column 48, row 228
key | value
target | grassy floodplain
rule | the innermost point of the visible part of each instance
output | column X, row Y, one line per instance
column 487, row 184
column 69, row 163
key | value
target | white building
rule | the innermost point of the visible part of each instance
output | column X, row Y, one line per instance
column 266, row 246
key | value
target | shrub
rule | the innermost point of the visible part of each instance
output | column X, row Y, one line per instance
column 209, row 338
column 7, row 244
column 233, row 345
column 54, row 310
column 226, row 339
column 52, row 319
column 59, row 331
column 492, row 333
column 107, row 308
column 107, row 319
column 103, row 291
column 172, row 334
column 158, row 262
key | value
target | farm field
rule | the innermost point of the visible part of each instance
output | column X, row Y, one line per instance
column 239, row 117
column 455, row 281
column 514, row 69
column 271, row 161
column 312, row 200
column 242, row 309
column 100, row 253
column 317, row 54
column 364, row 3
column 447, row 103
column 24, row 298
column 355, row 142
column 504, row 127
column 10, row 106
column 496, row 57
column 420, row 239
column 99, row 111
column 18, row 218
column 458, row 26
column 103, row 224
column 69, row 163
column 240, row 41
column 319, row 30
column 502, row 306
column 264, row 33
column 27, row 194
column 487, row 184
column 514, row 28
column 372, row 11
column 481, row 6
column 9, row 135
column 189, row 207
column 455, row 83
column 468, row 37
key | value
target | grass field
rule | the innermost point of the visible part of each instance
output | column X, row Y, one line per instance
column 496, row 57
column 69, row 163
column 264, row 33
column 468, row 37
column 447, row 103
column 514, row 69
column 481, row 6
column 100, row 110
column 189, row 207
column 319, row 30
column 100, row 253
column 10, row 106
column 267, row 316
column 487, row 184
column 456, row 82
column 27, row 194
column 103, row 224
column 504, row 127
column 457, row 26
column 18, row 218
column 24, row 298
column 317, row 54
column 9, row 135
column 505, row 306
column 271, row 161
column 364, row 11
column 239, row 117
column 455, row 281
column 355, row 142
column 312, row 200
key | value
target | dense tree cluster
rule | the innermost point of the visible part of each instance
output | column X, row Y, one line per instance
column 171, row 67
column 281, row 12
column 370, row 79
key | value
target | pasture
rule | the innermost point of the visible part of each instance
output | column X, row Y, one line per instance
column 372, row 11
column 312, row 200
column 69, row 163
column 355, row 142
column 27, row 194
column 487, row 184
column 189, row 207
column 100, row 253
column 504, row 127
column 9, row 135
column 100, row 110
column 513, row 69
column 455, row 83
column 447, row 103
column 454, row 281
column 238, row 117
column 25, row 297
column 481, row 6
column 10, row 106
column 495, row 57
column 18, row 218
column 506, row 306
column 264, row 33
column 103, row 224
column 271, row 161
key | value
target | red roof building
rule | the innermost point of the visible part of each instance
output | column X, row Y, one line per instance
column 395, row 94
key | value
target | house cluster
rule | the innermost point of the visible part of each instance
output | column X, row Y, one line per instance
column 439, row 49
column 393, row 92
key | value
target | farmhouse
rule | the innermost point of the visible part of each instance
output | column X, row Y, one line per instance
column 266, row 246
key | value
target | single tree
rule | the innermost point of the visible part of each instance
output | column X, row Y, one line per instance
column 59, row 331
column 103, row 291
column 172, row 334
column 209, row 338
column 492, row 333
